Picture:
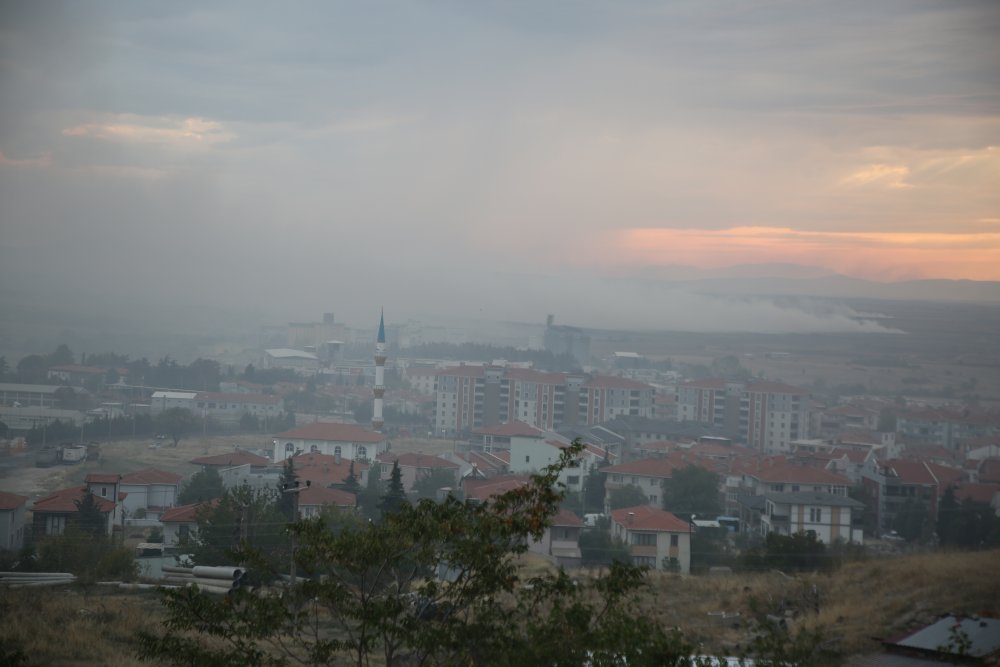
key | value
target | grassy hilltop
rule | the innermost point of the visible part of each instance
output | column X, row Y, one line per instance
column 860, row 601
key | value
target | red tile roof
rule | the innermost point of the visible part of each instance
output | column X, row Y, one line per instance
column 484, row 489
column 319, row 495
column 102, row 478
column 11, row 501
column 332, row 432
column 151, row 476
column 511, row 428
column 976, row 492
column 657, row 467
column 65, row 501
column 644, row 517
column 791, row 473
column 565, row 517
column 415, row 460
column 232, row 459
column 185, row 513
column 323, row 469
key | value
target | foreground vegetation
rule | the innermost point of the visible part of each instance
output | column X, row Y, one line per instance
column 861, row 600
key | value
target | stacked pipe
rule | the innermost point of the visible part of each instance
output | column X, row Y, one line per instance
column 34, row 579
column 211, row 579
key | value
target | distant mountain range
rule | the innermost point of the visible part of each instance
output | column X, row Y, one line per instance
column 799, row 280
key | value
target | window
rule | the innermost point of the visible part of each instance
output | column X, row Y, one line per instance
column 644, row 539
column 314, row 449
column 644, row 561
column 527, row 459
column 54, row 525
column 104, row 492
column 573, row 480
column 336, row 450
column 674, row 540
column 362, row 452
column 815, row 514
column 183, row 531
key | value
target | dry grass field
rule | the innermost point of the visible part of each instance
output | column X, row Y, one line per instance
column 858, row 602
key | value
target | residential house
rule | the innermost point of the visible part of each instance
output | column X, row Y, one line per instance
column 530, row 455
column 181, row 523
column 655, row 538
column 107, row 486
column 12, row 521
column 829, row 516
column 348, row 441
column 227, row 408
column 646, row 474
column 415, row 466
column 149, row 492
column 560, row 542
column 52, row 514
column 482, row 489
column 895, row 482
column 313, row 498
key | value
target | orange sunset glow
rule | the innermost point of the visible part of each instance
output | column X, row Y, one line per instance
column 872, row 255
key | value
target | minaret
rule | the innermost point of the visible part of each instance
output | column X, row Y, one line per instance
column 379, row 390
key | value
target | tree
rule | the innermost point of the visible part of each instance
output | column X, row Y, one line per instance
column 801, row 551
column 62, row 356
column 692, row 490
column 89, row 518
column 598, row 549
column 967, row 524
column 249, row 422
column 176, row 422
column 627, row 496
column 351, row 483
column 395, row 494
column 32, row 369
column 243, row 518
column 912, row 521
column 4, row 368
column 289, row 480
column 368, row 499
column 203, row 486
column 369, row 597
column 594, row 489
column 428, row 484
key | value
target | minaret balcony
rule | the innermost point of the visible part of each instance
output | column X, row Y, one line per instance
column 379, row 392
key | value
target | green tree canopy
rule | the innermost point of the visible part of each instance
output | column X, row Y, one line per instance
column 176, row 422
column 594, row 489
column 203, row 485
column 692, row 490
column 89, row 518
column 395, row 495
column 627, row 496
column 427, row 484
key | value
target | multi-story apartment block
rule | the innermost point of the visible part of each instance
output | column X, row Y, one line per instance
column 772, row 415
column 769, row 416
column 469, row 397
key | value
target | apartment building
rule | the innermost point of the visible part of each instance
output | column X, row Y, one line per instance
column 471, row 397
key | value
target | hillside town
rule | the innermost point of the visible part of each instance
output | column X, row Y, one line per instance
column 860, row 472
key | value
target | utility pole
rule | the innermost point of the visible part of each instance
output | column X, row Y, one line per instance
column 295, row 490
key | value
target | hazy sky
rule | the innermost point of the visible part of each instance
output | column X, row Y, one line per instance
column 446, row 157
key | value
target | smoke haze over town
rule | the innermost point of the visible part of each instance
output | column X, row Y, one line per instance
column 228, row 165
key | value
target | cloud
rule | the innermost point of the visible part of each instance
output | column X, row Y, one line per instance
column 874, row 255
column 890, row 176
column 26, row 163
column 183, row 133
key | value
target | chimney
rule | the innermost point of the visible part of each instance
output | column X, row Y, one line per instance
column 336, row 457
column 631, row 518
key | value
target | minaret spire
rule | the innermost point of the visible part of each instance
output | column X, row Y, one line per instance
column 379, row 390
